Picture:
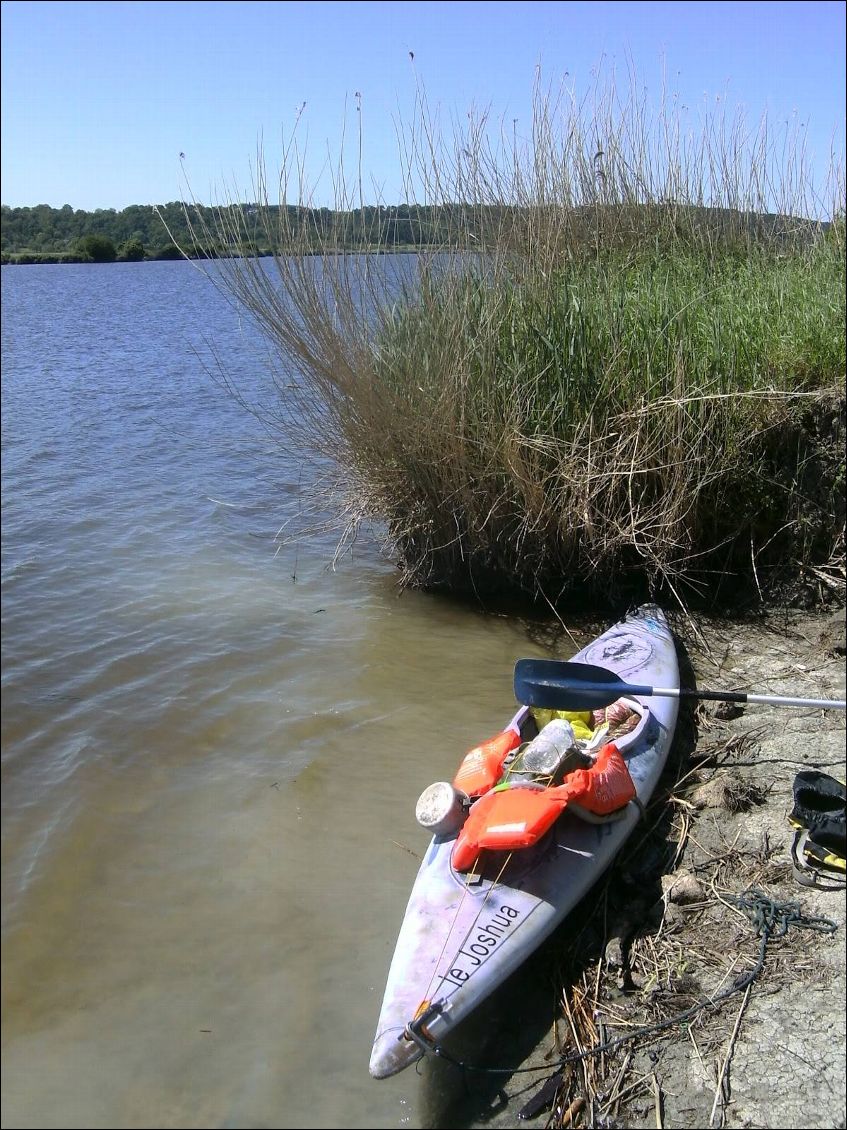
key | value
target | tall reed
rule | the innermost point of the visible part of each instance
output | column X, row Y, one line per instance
column 615, row 364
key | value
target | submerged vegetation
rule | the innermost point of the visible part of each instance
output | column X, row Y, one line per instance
column 618, row 370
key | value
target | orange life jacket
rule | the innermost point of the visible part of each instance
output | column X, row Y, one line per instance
column 482, row 766
column 517, row 816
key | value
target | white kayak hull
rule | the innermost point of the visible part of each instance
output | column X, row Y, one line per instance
column 460, row 940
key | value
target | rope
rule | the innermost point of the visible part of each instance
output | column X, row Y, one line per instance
column 465, row 889
column 769, row 918
column 765, row 915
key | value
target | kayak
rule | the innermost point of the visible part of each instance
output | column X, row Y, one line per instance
column 532, row 819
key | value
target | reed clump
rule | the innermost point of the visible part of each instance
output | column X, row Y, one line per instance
column 614, row 365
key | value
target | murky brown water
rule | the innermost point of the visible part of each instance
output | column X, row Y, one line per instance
column 211, row 754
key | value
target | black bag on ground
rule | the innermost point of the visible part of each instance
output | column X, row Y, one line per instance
column 820, row 817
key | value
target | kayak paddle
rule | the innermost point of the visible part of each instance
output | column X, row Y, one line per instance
column 556, row 685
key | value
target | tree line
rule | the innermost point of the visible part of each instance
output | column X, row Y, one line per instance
column 43, row 234
column 142, row 231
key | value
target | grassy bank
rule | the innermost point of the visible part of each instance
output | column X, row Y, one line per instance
column 620, row 373
column 636, row 419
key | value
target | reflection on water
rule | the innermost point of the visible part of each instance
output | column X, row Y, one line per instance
column 211, row 754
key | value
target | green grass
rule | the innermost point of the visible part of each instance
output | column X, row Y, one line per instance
column 607, row 380
column 639, row 416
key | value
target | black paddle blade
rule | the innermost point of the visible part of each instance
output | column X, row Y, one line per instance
column 553, row 684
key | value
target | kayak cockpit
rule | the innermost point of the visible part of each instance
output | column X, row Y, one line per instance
column 510, row 790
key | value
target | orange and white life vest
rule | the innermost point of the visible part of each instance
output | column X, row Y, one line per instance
column 508, row 817
column 482, row 766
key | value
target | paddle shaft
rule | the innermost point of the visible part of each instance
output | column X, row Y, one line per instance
column 585, row 686
column 719, row 696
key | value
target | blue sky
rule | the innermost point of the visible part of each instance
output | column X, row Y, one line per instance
column 100, row 99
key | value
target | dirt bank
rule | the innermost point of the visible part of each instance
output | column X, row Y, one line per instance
column 666, row 931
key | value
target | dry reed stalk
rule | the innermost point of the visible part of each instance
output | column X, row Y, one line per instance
column 521, row 403
column 722, row 1090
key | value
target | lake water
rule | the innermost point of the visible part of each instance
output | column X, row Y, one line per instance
column 211, row 750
